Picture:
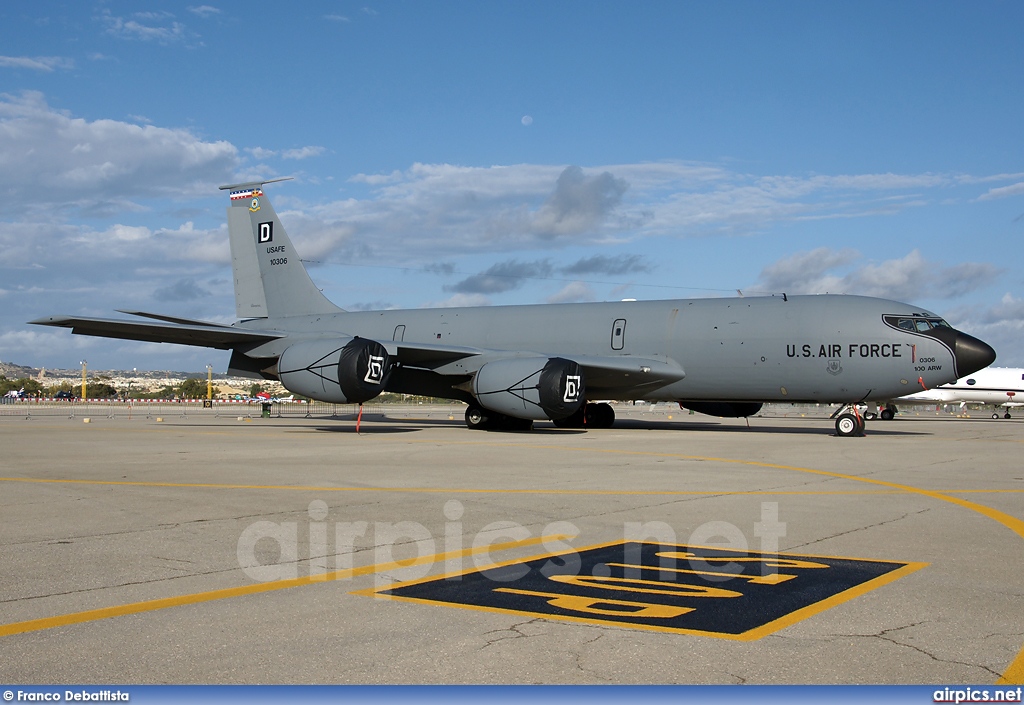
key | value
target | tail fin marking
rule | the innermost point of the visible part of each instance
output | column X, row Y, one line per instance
column 270, row 280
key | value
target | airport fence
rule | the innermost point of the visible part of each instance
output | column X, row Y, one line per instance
column 165, row 408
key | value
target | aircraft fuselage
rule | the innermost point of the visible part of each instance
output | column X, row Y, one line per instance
column 825, row 348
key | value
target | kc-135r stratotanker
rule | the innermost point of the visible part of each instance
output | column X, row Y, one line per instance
column 516, row 364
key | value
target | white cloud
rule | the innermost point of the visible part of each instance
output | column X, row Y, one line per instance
column 574, row 292
column 52, row 159
column 204, row 11
column 1003, row 192
column 906, row 279
column 302, row 153
column 1001, row 325
column 260, row 152
column 158, row 27
column 37, row 63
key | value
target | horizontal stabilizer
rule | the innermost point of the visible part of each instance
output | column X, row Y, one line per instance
column 170, row 319
column 201, row 335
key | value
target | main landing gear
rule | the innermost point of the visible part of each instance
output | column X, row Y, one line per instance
column 849, row 421
column 478, row 419
column 588, row 416
column 886, row 414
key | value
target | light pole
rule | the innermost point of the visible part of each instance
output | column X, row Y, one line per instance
column 84, row 362
column 209, row 381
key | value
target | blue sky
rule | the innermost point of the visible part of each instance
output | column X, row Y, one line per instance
column 490, row 153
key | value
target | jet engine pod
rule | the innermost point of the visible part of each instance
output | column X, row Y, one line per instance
column 725, row 409
column 339, row 371
column 531, row 387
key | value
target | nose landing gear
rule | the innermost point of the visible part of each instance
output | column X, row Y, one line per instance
column 849, row 422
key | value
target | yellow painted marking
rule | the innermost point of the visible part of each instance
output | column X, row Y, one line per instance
column 33, row 625
column 578, row 603
column 769, row 579
column 493, row 490
column 751, row 635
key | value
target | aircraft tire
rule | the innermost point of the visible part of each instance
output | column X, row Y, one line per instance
column 574, row 421
column 1006, row 415
column 476, row 418
column 600, row 415
column 887, row 415
column 849, row 425
column 511, row 423
column 995, row 415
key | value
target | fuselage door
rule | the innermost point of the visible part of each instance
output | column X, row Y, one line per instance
column 399, row 335
column 619, row 334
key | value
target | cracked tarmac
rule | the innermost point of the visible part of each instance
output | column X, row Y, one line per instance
column 121, row 511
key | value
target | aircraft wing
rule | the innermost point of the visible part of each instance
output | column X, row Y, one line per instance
column 207, row 335
column 428, row 355
column 614, row 373
column 613, row 376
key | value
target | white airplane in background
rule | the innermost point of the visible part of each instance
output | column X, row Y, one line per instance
column 999, row 386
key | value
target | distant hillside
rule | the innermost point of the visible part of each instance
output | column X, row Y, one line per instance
column 12, row 371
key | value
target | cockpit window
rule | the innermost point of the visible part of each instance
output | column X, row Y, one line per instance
column 916, row 324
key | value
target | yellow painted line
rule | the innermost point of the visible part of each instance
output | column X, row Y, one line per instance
column 34, row 625
column 493, row 490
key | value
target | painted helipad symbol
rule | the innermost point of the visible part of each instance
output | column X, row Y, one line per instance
column 675, row 588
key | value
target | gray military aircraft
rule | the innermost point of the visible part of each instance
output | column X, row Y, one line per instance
column 516, row 364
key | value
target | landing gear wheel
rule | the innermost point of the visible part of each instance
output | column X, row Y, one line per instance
column 573, row 421
column 849, row 425
column 476, row 418
column 995, row 415
column 1006, row 415
column 600, row 415
column 511, row 423
column 887, row 414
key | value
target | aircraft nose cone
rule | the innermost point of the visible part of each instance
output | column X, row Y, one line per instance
column 972, row 354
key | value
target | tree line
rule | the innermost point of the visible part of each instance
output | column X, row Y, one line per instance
column 102, row 388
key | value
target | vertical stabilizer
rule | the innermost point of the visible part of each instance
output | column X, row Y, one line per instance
column 270, row 280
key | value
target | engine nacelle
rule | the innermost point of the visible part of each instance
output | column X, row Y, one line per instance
column 339, row 371
column 531, row 387
column 725, row 409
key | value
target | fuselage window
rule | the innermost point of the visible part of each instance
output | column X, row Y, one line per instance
column 971, row 381
column 916, row 325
